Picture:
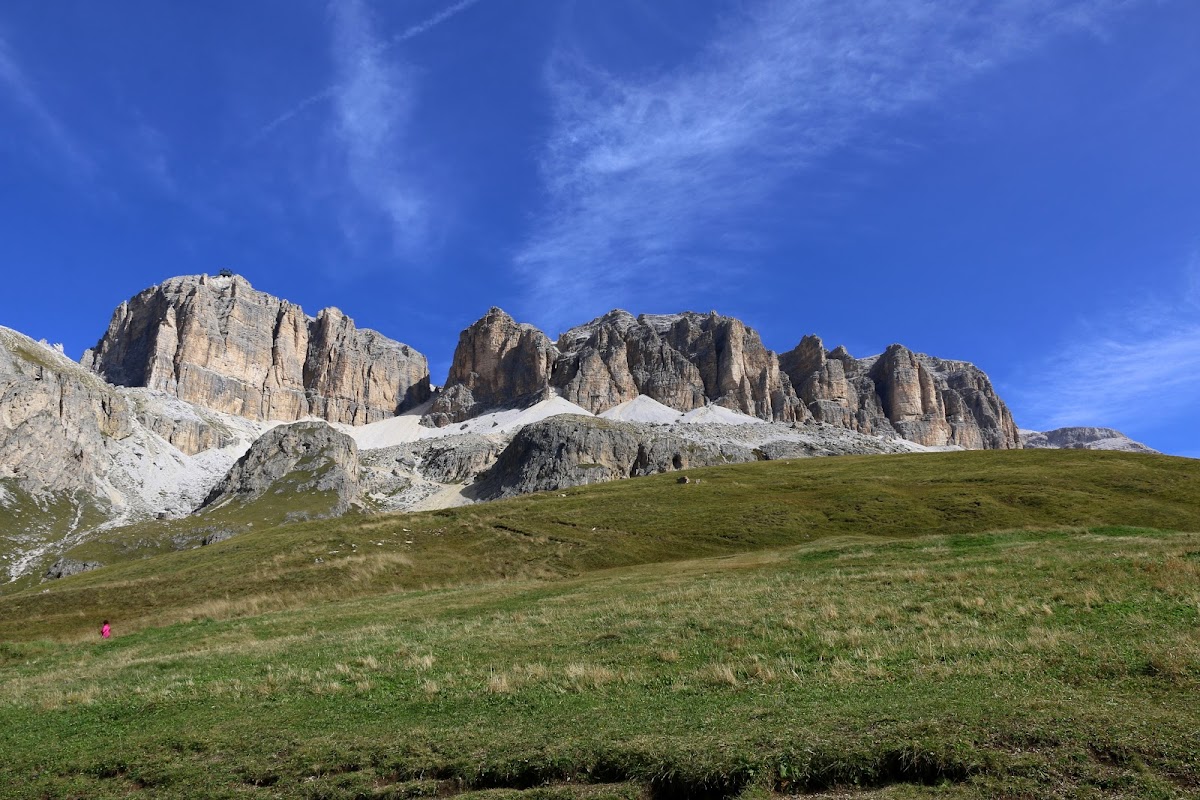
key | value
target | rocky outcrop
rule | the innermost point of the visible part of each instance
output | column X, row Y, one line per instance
column 303, row 458
column 924, row 399
column 220, row 344
column 567, row 451
column 66, row 567
column 189, row 429
column 498, row 362
column 1083, row 438
column 56, row 419
column 457, row 459
column 571, row 450
column 190, row 436
column 446, row 460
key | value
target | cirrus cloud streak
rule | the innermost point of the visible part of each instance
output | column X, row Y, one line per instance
column 642, row 173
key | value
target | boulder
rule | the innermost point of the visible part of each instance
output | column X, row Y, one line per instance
column 66, row 567
column 300, row 459
column 573, row 450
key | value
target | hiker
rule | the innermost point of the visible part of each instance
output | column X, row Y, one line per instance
column 105, row 631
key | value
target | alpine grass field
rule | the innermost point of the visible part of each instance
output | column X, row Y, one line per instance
column 1005, row 624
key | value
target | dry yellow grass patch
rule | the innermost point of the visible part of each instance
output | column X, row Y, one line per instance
column 588, row 676
column 421, row 663
column 59, row 699
column 367, row 567
column 718, row 675
column 532, row 673
column 886, row 614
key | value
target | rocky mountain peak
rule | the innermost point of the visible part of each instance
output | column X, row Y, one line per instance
column 498, row 362
column 617, row 319
column 684, row 361
column 928, row 400
column 221, row 344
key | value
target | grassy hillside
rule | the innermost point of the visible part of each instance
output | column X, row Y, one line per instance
column 952, row 625
column 1013, row 665
column 30, row 525
column 557, row 534
column 26, row 522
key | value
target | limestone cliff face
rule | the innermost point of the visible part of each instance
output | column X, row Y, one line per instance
column 684, row 361
column 821, row 383
column 360, row 376
column 498, row 362
column 689, row 360
column 56, row 419
column 921, row 398
column 220, row 344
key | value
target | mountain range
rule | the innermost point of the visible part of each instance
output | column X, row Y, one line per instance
column 205, row 394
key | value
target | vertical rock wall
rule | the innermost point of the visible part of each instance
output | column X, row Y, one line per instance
column 220, row 344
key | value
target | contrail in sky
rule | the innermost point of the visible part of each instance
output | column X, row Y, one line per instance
column 410, row 32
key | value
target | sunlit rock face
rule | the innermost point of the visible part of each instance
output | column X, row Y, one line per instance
column 220, row 344
column 688, row 361
column 56, row 419
column 924, row 399
column 498, row 362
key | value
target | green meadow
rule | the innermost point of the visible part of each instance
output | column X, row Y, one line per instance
column 983, row 624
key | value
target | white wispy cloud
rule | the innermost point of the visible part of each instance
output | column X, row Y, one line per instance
column 1132, row 367
column 373, row 107
column 380, row 49
column 644, row 173
column 151, row 149
column 22, row 90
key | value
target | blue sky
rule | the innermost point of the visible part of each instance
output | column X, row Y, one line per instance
column 1012, row 183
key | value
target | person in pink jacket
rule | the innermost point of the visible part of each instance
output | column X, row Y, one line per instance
column 105, row 631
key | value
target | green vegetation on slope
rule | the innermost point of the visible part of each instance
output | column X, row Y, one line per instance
column 28, row 523
column 557, row 534
column 1017, row 665
column 957, row 625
